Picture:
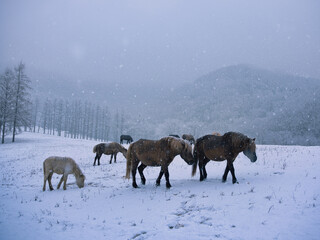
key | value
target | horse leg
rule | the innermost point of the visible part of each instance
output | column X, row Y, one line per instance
column 49, row 180
column 166, row 174
column 140, row 169
column 206, row 160
column 60, row 182
column 159, row 177
column 133, row 173
column 226, row 171
column 65, row 177
column 45, row 181
column 231, row 168
column 95, row 159
column 111, row 158
column 201, row 167
column 115, row 158
column 99, row 159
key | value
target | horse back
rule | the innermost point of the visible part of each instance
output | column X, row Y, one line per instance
column 152, row 152
column 213, row 147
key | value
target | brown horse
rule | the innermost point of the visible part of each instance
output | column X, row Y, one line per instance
column 158, row 153
column 189, row 138
column 220, row 148
column 216, row 134
column 111, row 148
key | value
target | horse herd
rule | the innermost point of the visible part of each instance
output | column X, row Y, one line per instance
column 160, row 153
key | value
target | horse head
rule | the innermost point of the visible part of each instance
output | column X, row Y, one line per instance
column 250, row 149
column 80, row 180
column 186, row 152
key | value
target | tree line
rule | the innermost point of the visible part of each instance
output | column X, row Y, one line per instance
column 15, row 103
column 77, row 119
column 62, row 117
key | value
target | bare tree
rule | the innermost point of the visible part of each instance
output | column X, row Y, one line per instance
column 35, row 114
column 6, row 101
column 44, row 115
column 59, row 117
column 22, row 103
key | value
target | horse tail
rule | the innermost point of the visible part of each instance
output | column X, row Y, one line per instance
column 44, row 169
column 196, row 159
column 95, row 149
column 129, row 160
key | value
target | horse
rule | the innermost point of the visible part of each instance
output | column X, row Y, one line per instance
column 64, row 166
column 216, row 134
column 220, row 148
column 174, row 135
column 189, row 138
column 156, row 153
column 128, row 138
column 111, row 148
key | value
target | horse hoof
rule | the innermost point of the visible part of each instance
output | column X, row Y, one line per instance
column 157, row 184
column 134, row 185
column 235, row 181
column 168, row 185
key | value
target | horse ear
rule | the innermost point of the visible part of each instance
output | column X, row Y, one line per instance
column 253, row 139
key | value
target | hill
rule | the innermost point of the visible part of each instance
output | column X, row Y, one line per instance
column 276, row 108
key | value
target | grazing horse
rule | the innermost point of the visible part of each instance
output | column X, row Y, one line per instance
column 174, row 135
column 111, row 148
column 220, row 148
column 128, row 138
column 158, row 153
column 189, row 138
column 64, row 166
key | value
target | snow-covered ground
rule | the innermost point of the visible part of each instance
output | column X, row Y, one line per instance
column 278, row 197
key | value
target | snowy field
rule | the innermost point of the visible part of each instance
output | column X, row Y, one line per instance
column 278, row 197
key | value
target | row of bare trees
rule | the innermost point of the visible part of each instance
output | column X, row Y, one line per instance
column 76, row 119
column 15, row 103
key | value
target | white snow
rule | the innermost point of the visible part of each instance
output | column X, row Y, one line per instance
column 278, row 197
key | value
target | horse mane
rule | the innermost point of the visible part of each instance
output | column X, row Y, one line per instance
column 177, row 143
column 77, row 170
column 236, row 140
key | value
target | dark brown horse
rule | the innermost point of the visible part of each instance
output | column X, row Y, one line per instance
column 158, row 153
column 111, row 148
column 220, row 148
column 127, row 138
column 189, row 138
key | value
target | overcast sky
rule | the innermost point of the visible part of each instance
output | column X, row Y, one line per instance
column 163, row 41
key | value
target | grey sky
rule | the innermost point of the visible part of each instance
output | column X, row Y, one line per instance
column 164, row 41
